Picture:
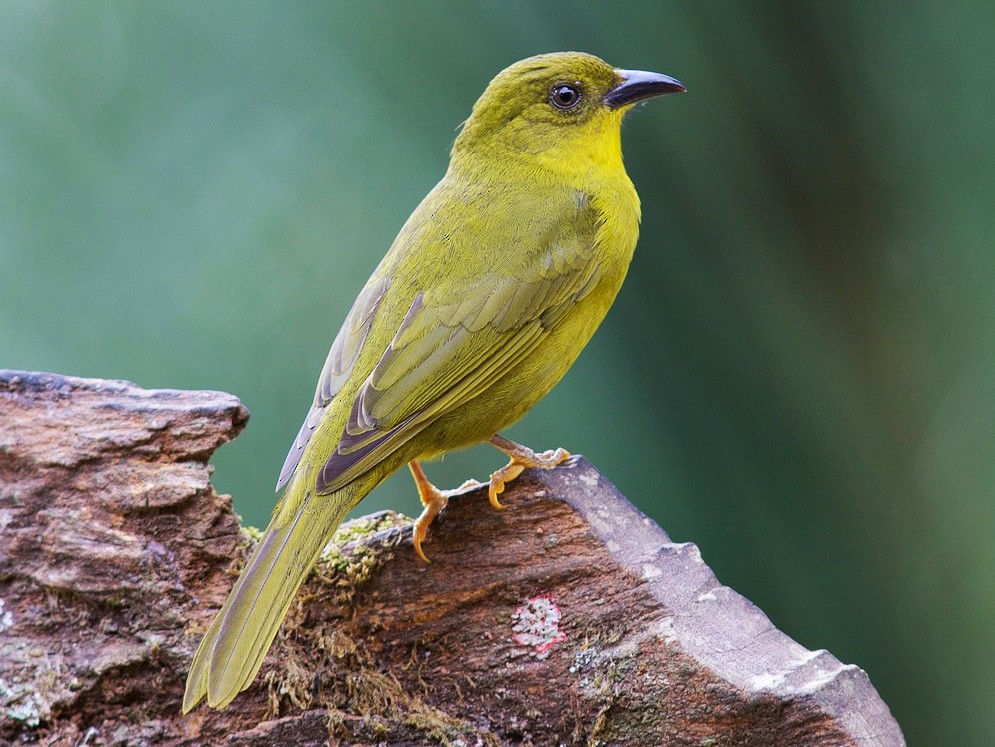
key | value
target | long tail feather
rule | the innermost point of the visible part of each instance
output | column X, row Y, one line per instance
column 235, row 645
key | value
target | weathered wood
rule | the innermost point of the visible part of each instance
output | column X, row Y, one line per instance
column 568, row 618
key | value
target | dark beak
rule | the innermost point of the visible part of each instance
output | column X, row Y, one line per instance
column 638, row 85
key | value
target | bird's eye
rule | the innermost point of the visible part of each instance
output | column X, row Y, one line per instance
column 564, row 96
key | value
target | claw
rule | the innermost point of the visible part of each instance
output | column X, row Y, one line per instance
column 521, row 457
column 499, row 477
column 420, row 529
column 434, row 500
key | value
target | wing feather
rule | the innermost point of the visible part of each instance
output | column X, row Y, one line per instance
column 453, row 345
column 355, row 454
column 338, row 365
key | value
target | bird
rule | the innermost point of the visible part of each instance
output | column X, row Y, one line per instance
column 486, row 297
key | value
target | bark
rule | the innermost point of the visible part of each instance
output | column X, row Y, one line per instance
column 568, row 618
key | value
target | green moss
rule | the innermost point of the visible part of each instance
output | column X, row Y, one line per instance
column 353, row 684
column 250, row 535
column 379, row 695
column 347, row 561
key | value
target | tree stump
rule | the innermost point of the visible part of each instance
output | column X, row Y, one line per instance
column 569, row 618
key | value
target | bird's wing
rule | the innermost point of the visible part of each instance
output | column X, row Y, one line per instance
column 338, row 365
column 454, row 343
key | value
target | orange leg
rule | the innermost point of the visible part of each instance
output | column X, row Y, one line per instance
column 433, row 499
column 521, row 457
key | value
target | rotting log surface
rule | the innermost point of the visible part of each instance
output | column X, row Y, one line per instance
column 569, row 618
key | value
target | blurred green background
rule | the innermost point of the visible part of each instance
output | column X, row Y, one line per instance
column 798, row 375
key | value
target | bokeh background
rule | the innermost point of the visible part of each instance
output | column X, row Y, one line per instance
column 798, row 375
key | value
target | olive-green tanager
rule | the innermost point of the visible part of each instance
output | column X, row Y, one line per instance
column 485, row 299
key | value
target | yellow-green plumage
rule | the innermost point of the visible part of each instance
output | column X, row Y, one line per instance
column 490, row 291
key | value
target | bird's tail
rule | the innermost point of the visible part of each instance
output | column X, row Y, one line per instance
column 233, row 648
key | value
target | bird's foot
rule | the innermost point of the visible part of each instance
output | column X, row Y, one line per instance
column 521, row 457
column 434, row 500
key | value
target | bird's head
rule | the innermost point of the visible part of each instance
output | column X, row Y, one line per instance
column 565, row 105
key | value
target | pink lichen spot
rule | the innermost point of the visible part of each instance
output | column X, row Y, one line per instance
column 537, row 625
